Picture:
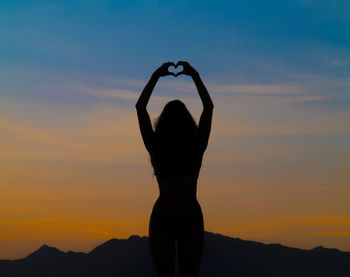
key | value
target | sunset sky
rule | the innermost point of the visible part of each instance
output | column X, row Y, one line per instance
column 73, row 168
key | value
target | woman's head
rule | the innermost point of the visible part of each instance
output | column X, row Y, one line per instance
column 174, row 151
column 175, row 122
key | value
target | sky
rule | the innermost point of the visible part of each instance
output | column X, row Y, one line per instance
column 73, row 168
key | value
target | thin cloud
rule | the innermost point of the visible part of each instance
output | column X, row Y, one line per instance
column 114, row 93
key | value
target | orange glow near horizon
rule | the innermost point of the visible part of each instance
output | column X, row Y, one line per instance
column 76, row 184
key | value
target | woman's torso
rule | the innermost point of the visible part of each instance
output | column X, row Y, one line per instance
column 177, row 194
column 177, row 172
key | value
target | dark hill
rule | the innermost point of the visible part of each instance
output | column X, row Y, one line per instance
column 224, row 256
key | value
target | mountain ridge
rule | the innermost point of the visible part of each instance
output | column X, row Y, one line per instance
column 224, row 256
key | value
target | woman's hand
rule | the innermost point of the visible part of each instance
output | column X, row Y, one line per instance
column 187, row 69
column 163, row 70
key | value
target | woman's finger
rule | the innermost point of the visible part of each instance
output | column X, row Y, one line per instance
column 180, row 73
column 168, row 64
column 180, row 63
column 183, row 63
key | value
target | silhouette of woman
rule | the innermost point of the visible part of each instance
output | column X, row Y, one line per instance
column 176, row 148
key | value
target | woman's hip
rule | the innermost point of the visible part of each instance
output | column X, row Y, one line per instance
column 176, row 224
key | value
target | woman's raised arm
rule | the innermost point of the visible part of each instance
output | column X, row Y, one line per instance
column 141, row 104
column 204, row 125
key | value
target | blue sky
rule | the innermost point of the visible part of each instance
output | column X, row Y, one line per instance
column 124, row 37
column 240, row 42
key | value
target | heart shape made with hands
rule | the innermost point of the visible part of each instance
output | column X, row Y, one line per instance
column 176, row 69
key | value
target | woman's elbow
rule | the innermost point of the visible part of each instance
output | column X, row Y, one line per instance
column 139, row 106
column 209, row 106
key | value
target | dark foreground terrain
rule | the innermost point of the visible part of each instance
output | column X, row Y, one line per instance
column 224, row 256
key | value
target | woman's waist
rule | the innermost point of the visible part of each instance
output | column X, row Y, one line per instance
column 177, row 179
column 177, row 207
column 179, row 188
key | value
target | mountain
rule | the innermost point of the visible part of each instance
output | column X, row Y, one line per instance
column 224, row 256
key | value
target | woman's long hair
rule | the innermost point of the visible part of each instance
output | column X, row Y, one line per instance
column 174, row 132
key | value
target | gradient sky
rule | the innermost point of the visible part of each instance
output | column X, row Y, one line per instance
column 73, row 168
